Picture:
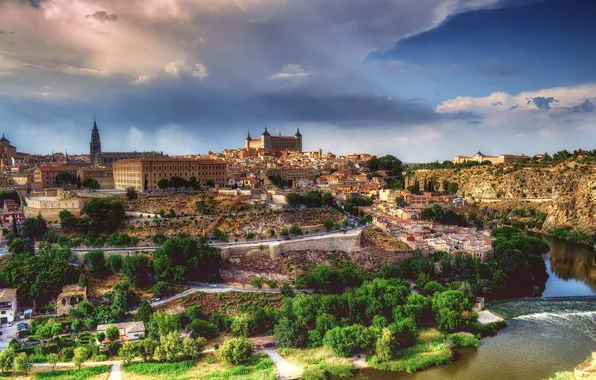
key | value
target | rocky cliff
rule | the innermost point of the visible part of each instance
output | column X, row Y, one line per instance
column 567, row 190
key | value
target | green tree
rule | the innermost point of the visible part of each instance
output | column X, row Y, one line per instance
column 193, row 348
column 235, row 351
column 452, row 310
column 91, row 184
column 22, row 363
column 104, row 215
column 287, row 290
column 6, row 359
column 128, row 352
column 82, row 280
column 144, row 312
column 114, row 263
column 81, row 354
column 290, row 334
column 272, row 284
column 168, row 349
column 112, row 333
column 163, row 183
column 95, row 261
column 242, row 326
column 66, row 178
column 258, row 282
column 328, row 224
column 135, row 268
column 147, row 348
column 385, row 345
column 100, row 336
column 161, row 324
column 53, row 359
column 131, row 193
column 33, row 228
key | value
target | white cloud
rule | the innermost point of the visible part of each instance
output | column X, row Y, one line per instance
column 290, row 71
column 179, row 68
column 200, row 71
column 82, row 71
column 143, row 79
column 565, row 97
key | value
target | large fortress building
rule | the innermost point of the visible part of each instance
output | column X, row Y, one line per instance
column 268, row 142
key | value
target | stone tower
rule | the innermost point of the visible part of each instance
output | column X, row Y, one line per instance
column 298, row 136
column 95, row 144
column 266, row 140
column 248, row 140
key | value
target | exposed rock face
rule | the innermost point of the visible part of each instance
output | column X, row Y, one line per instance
column 569, row 188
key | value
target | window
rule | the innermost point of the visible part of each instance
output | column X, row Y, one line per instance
column 3, row 312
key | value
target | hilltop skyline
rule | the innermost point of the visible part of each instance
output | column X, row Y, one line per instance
column 418, row 81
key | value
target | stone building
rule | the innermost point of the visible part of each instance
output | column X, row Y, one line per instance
column 44, row 176
column 105, row 176
column 98, row 157
column 7, row 153
column 144, row 173
column 71, row 296
column 480, row 158
column 49, row 203
column 280, row 143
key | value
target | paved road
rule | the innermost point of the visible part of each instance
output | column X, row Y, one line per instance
column 116, row 372
column 234, row 244
column 286, row 369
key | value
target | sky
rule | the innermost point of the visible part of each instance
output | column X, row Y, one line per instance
column 423, row 80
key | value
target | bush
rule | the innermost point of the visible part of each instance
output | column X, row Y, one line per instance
column 464, row 340
column 313, row 374
column 202, row 328
column 235, row 351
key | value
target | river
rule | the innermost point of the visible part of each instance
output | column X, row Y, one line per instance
column 544, row 335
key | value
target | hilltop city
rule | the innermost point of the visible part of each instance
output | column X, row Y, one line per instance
column 270, row 261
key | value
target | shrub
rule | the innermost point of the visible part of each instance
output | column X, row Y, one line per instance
column 464, row 340
column 235, row 351
column 313, row 374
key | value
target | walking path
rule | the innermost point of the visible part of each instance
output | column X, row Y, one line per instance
column 116, row 372
column 485, row 316
column 286, row 369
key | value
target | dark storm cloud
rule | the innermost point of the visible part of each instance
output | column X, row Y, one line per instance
column 514, row 107
column 103, row 16
column 542, row 102
column 497, row 104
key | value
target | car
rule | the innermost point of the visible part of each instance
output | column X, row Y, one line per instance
column 156, row 298
column 9, row 324
column 213, row 285
column 22, row 326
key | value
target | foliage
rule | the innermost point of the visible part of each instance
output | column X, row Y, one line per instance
column 439, row 215
column 104, row 215
column 235, row 351
column 464, row 340
column 81, row 354
column 114, row 263
column 351, row 204
column 128, row 352
column 343, row 341
column 112, row 333
column 258, row 282
column 452, row 310
column 40, row 276
column 136, row 269
column 131, row 193
column 193, row 347
column 290, row 333
column 91, row 183
column 95, row 261
column 184, row 258
column 168, row 349
column 312, row 199
column 144, row 312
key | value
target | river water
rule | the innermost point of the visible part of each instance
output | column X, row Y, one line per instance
column 544, row 335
